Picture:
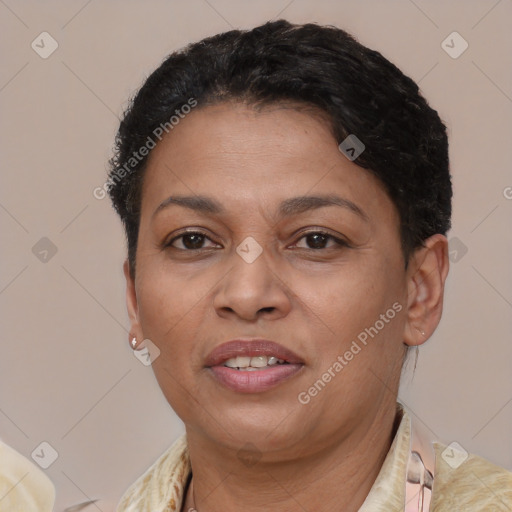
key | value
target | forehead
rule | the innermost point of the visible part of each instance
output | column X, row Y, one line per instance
column 239, row 155
column 239, row 132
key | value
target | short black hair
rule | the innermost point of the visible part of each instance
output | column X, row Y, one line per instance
column 362, row 93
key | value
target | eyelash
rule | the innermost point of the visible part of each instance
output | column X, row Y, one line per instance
column 338, row 241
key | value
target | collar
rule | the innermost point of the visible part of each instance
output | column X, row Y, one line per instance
column 162, row 487
column 388, row 490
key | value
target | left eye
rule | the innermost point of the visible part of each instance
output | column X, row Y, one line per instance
column 318, row 240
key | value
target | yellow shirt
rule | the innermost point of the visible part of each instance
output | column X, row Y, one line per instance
column 23, row 486
column 476, row 485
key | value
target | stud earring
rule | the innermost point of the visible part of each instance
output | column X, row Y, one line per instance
column 134, row 342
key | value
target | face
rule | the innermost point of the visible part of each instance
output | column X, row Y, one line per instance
column 324, row 278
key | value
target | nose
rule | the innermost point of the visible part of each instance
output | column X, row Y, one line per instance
column 253, row 289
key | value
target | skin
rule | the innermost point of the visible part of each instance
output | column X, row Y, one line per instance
column 307, row 293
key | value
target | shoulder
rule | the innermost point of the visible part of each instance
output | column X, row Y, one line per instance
column 465, row 481
column 23, row 486
column 162, row 485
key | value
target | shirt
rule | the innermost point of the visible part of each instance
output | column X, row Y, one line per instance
column 23, row 486
column 473, row 485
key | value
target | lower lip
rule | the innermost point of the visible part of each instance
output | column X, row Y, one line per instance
column 254, row 381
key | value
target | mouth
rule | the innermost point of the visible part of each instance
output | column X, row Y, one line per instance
column 254, row 363
column 252, row 366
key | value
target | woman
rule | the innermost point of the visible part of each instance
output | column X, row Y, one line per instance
column 286, row 194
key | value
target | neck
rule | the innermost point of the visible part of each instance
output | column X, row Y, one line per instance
column 338, row 477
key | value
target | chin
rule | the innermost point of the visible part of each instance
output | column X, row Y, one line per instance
column 265, row 428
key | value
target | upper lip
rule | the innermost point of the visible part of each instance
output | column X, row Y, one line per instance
column 250, row 348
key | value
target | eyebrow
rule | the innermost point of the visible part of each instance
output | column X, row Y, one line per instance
column 287, row 208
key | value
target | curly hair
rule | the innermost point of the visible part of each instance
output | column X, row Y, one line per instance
column 361, row 92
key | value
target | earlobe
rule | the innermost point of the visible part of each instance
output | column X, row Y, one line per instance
column 137, row 344
column 428, row 271
column 133, row 310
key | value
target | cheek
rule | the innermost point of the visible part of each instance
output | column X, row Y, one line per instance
column 358, row 315
column 173, row 315
column 166, row 312
column 165, row 302
column 159, row 310
column 350, row 300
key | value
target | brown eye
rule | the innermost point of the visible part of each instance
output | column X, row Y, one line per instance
column 190, row 241
column 318, row 240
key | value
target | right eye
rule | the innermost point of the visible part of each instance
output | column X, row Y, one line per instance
column 189, row 241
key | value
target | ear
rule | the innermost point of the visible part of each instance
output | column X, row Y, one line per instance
column 425, row 284
column 133, row 310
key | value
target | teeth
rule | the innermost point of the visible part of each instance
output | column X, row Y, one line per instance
column 252, row 363
column 258, row 361
column 231, row 363
column 243, row 361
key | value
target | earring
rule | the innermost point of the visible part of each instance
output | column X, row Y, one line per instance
column 134, row 342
